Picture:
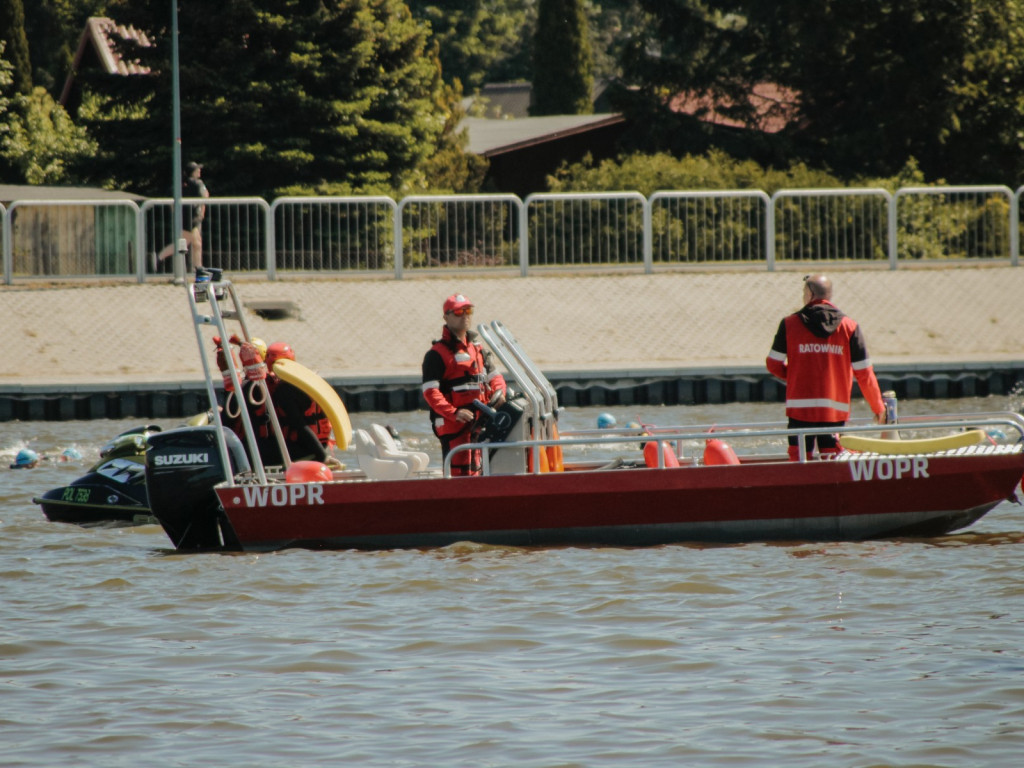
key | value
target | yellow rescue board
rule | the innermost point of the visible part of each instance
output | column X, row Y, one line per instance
column 323, row 394
column 922, row 445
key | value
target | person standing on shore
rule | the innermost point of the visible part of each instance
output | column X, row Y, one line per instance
column 192, row 218
column 456, row 371
column 817, row 351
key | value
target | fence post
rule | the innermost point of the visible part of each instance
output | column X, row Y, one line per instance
column 648, row 237
column 524, row 235
column 271, row 244
column 1015, row 223
column 5, row 245
column 894, row 243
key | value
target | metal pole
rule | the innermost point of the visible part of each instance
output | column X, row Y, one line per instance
column 179, row 256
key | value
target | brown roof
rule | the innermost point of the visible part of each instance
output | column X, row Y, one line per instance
column 97, row 45
column 775, row 107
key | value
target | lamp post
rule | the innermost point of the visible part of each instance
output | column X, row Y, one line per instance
column 179, row 251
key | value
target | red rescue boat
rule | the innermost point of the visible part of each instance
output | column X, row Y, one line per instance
column 716, row 483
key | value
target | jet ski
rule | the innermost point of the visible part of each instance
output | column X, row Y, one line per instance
column 114, row 489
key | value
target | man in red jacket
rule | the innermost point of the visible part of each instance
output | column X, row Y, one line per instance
column 456, row 371
column 817, row 352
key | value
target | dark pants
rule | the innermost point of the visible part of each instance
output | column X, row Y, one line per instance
column 464, row 462
column 826, row 443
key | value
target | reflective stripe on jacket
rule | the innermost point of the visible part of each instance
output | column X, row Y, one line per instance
column 819, row 371
column 455, row 373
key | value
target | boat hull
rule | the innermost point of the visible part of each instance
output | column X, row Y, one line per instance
column 855, row 499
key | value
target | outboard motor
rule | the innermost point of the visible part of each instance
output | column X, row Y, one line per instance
column 182, row 467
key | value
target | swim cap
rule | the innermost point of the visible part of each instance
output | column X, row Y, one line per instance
column 26, row 458
column 261, row 345
column 605, row 420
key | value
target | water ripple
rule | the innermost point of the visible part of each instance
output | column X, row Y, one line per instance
column 118, row 651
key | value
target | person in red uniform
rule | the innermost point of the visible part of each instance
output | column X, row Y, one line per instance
column 456, row 371
column 817, row 352
column 306, row 428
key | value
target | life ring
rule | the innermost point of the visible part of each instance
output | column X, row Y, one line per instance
column 322, row 393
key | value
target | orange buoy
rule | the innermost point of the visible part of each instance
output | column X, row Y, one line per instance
column 651, row 454
column 555, row 462
column 717, row 452
column 308, row 472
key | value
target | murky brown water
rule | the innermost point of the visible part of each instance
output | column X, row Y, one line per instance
column 116, row 652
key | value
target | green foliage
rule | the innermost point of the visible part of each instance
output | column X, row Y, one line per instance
column 12, row 32
column 5, row 102
column 451, row 169
column 42, row 141
column 479, row 41
column 53, row 29
column 275, row 95
column 715, row 170
column 562, row 70
column 879, row 81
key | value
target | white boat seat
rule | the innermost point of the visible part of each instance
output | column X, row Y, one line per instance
column 373, row 465
column 389, row 449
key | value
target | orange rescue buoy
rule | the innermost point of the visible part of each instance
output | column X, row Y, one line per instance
column 717, row 452
column 308, row 472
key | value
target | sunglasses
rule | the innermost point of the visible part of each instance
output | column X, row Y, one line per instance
column 467, row 311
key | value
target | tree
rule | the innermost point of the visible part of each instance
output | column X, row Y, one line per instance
column 53, row 28
column 879, row 81
column 274, row 94
column 479, row 41
column 12, row 31
column 43, row 142
column 563, row 80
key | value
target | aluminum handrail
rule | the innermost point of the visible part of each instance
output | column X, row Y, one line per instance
column 214, row 292
column 754, row 430
column 533, row 396
column 537, row 376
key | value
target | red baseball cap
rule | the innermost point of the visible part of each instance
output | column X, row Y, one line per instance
column 456, row 301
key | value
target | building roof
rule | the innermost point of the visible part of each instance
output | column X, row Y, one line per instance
column 500, row 101
column 97, row 45
column 11, row 192
column 495, row 137
column 775, row 107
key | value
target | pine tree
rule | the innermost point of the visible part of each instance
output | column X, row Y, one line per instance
column 562, row 68
column 275, row 94
column 12, row 31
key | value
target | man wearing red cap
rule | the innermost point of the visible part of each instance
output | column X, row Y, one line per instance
column 456, row 371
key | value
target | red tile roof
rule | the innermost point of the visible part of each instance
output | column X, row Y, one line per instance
column 97, row 38
column 775, row 107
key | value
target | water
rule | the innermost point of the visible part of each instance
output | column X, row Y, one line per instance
column 117, row 652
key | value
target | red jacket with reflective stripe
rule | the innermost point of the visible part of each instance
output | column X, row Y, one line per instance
column 817, row 352
column 455, row 373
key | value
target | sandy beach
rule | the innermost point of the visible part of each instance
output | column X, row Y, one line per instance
column 364, row 329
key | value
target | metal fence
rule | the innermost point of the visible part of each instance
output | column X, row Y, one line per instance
column 585, row 231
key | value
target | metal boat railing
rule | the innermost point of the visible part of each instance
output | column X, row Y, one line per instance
column 218, row 296
column 744, row 433
column 210, row 289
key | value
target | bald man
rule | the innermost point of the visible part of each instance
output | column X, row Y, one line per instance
column 817, row 351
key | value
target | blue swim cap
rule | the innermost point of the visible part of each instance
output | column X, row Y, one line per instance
column 26, row 457
column 71, row 454
column 605, row 420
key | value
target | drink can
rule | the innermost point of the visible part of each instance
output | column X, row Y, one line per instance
column 890, row 403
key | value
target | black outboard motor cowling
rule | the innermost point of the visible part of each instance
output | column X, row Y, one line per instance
column 182, row 467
